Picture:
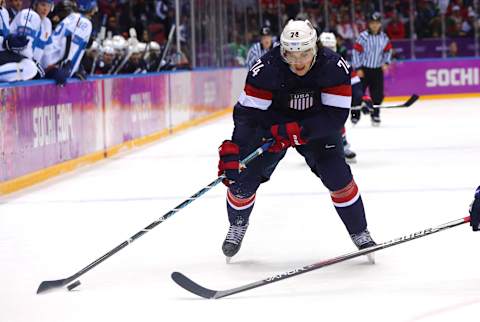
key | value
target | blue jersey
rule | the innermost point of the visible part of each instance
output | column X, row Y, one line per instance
column 319, row 101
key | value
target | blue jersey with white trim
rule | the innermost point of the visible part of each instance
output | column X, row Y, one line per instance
column 27, row 22
column 4, row 26
column 79, row 29
column 319, row 101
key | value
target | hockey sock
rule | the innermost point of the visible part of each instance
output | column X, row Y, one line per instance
column 239, row 208
column 349, row 206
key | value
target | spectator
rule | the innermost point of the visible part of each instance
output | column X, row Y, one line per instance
column 452, row 49
column 112, row 26
column 395, row 28
column 454, row 22
column 345, row 28
column 425, row 13
column 467, row 28
column 292, row 8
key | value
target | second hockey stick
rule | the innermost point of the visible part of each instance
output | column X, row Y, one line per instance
column 199, row 290
column 412, row 99
column 50, row 285
column 408, row 103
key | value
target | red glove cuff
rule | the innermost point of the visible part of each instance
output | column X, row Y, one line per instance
column 228, row 148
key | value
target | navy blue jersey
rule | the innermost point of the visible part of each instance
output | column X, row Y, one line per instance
column 319, row 101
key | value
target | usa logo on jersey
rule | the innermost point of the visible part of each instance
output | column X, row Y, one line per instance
column 301, row 101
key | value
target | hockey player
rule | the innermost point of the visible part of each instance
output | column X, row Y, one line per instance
column 36, row 26
column 299, row 95
column 475, row 211
column 61, row 11
column 135, row 63
column 106, row 64
column 13, row 65
column 69, row 40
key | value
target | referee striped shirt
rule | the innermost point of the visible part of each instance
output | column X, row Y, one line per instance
column 371, row 51
column 257, row 51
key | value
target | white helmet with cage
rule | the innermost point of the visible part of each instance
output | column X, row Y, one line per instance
column 298, row 35
column 328, row 39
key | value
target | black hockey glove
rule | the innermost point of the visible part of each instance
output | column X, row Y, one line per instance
column 15, row 43
column 475, row 211
column 60, row 74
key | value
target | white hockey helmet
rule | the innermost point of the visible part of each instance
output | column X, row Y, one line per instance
column 109, row 50
column 95, row 46
column 328, row 39
column 142, row 46
column 154, row 46
column 298, row 35
column 134, row 49
column 107, row 43
column 119, row 44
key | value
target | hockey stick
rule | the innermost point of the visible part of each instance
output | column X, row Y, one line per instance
column 408, row 103
column 50, row 285
column 201, row 291
column 412, row 99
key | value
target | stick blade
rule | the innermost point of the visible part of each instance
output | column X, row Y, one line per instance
column 411, row 100
column 51, row 285
column 193, row 287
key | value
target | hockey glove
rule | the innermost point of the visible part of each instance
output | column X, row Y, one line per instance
column 475, row 211
column 286, row 135
column 229, row 162
column 60, row 74
column 367, row 105
column 15, row 43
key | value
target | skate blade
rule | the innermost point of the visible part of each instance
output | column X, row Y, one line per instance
column 228, row 260
column 351, row 161
column 371, row 258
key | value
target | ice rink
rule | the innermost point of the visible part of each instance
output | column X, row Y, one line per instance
column 418, row 170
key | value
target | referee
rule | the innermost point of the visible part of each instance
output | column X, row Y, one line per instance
column 371, row 55
column 260, row 48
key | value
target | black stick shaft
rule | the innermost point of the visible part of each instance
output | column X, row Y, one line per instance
column 46, row 285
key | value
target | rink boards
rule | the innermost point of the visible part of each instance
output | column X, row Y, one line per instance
column 46, row 130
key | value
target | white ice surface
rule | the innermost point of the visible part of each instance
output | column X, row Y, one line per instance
column 418, row 170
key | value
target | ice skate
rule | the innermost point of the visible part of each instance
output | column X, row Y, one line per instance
column 233, row 241
column 375, row 121
column 363, row 240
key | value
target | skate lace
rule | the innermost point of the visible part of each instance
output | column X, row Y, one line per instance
column 235, row 234
column 361, row 238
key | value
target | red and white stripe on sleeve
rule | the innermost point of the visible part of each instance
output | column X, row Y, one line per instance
column 354, row 78
column 337, row 96
column 255, row 97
